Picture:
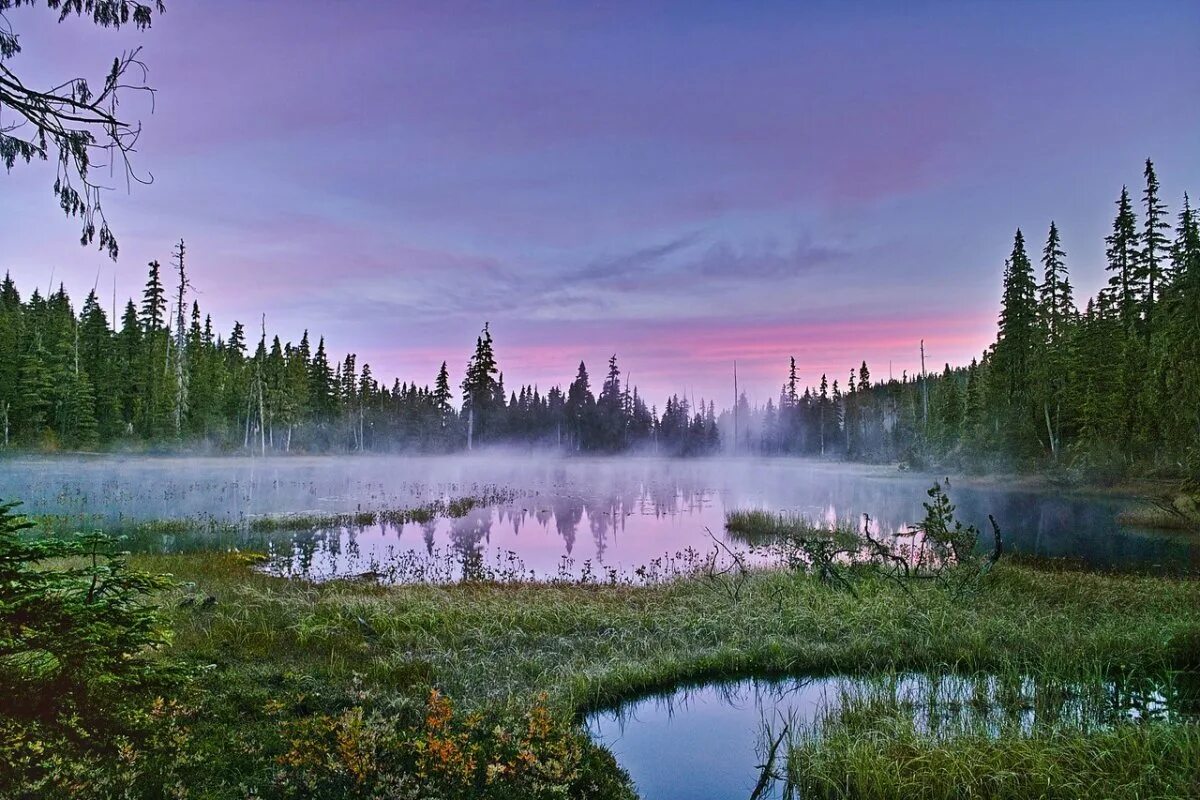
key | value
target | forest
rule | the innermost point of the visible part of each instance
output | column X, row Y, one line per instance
column 1102, row 387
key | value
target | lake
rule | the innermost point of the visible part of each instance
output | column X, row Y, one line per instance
column 551, row 515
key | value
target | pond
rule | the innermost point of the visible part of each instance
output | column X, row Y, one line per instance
column 713, row 741
column 545, row 516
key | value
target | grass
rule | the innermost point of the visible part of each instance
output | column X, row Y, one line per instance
column 453, row 507
column 757, row 526
column 317, row 647
column 1181, row 513
column 874, row 746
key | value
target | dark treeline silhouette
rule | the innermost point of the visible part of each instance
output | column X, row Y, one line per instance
column 1113, row 386
column 159, row 379
column 1101, row 389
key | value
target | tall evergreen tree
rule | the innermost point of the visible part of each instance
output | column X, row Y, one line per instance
column 1152, row 257
column 1016, row 345
column 1122, row 252
column 442, row 397
column 479, row 386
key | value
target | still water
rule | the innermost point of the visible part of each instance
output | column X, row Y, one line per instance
column 713, row 742
column 557, row 515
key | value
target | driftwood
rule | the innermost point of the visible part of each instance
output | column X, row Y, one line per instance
column 767, row 770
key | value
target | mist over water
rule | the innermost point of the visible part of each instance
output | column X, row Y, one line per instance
column 556, row 515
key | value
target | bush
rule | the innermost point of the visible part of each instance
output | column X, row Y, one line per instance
column 81, row 685
column 505, row 752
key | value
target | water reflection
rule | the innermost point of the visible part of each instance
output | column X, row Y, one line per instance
column 613, row 513
column 712, row 741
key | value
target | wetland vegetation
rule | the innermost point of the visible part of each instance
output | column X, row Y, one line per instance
column 286, row 687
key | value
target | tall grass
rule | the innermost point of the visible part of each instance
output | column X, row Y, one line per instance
column 759, row 526
column 266, row 641
column 877, row 746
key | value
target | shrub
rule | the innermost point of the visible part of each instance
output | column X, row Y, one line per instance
column 81, row 685
column 510, row 751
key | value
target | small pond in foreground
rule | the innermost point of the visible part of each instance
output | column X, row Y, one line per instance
column 710, row 742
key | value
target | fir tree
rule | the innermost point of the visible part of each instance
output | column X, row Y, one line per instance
column 479, row 386
column 442, row 397
column 1056, row 305
column 1016, row 344
column 579, row 407
column 1154, row 251
column 1122, row 254
column 154, row 301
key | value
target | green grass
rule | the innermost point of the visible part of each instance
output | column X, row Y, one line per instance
column 757, row 526
column 871, row 748
column 273, row 523
column 588, row 646
column 1181, row 513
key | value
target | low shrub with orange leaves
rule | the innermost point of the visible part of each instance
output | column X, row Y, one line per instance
column 507, row 752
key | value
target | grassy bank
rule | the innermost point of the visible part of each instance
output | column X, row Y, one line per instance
column 276, row 653
column 1178, row 512
column 883, row 757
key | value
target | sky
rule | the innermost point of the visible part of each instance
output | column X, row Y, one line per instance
column 682, row 184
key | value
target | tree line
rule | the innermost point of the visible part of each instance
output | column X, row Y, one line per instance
column 162, row 377
column 1108, row 386
column 1102, row 388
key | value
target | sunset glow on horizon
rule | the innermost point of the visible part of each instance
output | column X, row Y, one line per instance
column 683, row 185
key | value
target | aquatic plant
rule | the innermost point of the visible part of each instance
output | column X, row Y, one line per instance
column 938, row 548
column 1005, row 737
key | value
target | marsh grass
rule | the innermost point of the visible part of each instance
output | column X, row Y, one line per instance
column 951, row 734
column 1180, row 515
column 340, row 661
column 268, row 640
column 758, row 526
column 879, row 744
column 207, row 524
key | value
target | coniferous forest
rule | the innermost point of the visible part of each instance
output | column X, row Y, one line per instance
column 1100, row 385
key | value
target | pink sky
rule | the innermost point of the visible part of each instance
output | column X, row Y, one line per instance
column 682, row 184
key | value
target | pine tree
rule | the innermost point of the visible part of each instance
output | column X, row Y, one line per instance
column 1122, row 252
column 442, row 397
column 321, row 386
column 1052, row 357
column 1055, row 302
column 78, row 425
column 580, row 406
column 154, row 301
column 609, row 411
column 1153, row 254
column 1016, row 345
column 34, row 401
column 129, row 344
column 11, row 339
column 479, row 386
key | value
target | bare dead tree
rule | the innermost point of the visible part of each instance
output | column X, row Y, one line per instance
column 82, row 130
column 181, row 354
column 737, row 567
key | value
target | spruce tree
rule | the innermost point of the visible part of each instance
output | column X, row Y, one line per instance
column 1016, row 345
column 34, row 401
column 442, row 397
column 154, row 301
column 1152, row 256
column 479, row 386
column 11, row 339
column 1122, row 253
column 1055, row 304
column 580, row 406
